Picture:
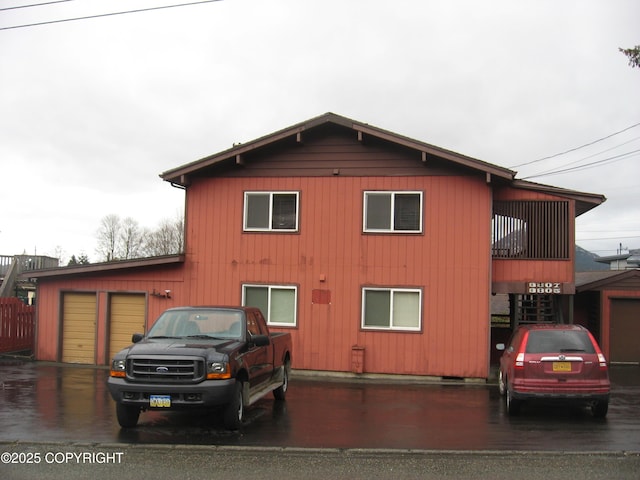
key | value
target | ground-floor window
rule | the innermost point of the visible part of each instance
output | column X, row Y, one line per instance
column 278, row 303
column 391, row 308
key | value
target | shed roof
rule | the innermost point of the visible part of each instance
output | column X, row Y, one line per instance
column 586, row 281
column 94, row 268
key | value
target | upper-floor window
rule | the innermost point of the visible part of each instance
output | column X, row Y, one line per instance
column 531, row 229
column 391, row 308
column 392, row 212
column 271, row 211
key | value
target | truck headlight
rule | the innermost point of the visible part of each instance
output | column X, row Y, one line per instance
column 217, row 370
column 118, row 368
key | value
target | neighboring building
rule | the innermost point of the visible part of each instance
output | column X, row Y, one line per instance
column 608, row 303
column 12, row 266
column 622, row 261
column 379, row 253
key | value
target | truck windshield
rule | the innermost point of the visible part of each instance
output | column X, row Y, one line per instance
column 199, row 323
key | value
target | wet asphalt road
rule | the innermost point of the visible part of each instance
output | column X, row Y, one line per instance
column 53, row 403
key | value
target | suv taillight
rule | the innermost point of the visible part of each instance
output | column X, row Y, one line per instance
column 601, row 360
column 520, row 355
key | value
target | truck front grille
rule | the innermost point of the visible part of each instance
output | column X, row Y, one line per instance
column 159, row 369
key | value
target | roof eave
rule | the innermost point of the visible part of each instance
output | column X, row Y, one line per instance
column 103, row 267
column 584, row 201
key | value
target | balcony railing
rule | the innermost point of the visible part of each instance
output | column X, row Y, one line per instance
column 531, row 230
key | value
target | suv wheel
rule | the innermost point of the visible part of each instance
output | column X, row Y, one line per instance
column 600, row 409
column 501, row 386
column 512, row 405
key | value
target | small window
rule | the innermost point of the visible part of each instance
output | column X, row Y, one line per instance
column 271, row 211
column 391, row 308
column 277, row 303
column 393, row 212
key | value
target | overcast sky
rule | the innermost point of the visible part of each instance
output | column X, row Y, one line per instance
column 92, row 111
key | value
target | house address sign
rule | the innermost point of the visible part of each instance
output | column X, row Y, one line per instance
column 544, row 287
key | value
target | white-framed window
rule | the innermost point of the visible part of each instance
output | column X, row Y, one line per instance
column 392, row 308
column 271, row 211
column 278, row 303
column 392, row 212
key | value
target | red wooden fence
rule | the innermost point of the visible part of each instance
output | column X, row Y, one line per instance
column 17, row 325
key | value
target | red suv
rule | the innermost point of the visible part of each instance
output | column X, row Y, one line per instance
column 554, row 363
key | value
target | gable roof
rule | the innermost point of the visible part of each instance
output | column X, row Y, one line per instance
column 179, row 175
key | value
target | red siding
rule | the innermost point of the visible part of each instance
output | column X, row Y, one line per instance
column 450, row 262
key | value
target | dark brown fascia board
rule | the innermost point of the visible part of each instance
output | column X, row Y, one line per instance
column 584, row 201
column 429, row 149
column 180, row 175
column 103, row 267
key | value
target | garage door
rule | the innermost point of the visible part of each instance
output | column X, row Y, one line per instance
column 127, row 316
column 79, row 327
column 625, row 330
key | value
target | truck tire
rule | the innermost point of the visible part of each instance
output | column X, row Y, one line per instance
column 127, row 415
column 234, row 412
column 281, row 392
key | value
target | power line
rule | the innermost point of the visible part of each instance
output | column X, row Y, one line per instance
column 586, row 158
column 616, row 158
column 604, row 238
column 576, row 148
column 108, row 14
column 34, row 5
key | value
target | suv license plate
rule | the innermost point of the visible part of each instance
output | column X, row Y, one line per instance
column 160, row 401
column 561, row 366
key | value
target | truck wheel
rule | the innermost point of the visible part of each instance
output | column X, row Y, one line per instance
column 127, row 415
column 281, row 392
column 234, row 412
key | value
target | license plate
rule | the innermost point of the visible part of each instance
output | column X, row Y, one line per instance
column 160, row 401
column 561, row 366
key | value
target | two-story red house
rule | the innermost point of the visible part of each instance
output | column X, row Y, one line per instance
column 379, row 253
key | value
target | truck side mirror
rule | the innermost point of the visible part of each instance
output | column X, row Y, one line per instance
column 136, row 337
column 259, row 340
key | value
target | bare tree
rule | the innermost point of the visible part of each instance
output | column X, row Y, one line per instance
column 167, row 239
column 125, row 239
column 131, row 239
column 108, row 235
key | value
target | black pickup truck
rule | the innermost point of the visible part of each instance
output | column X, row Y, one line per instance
column 201, row 357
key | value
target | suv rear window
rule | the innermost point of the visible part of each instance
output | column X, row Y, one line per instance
column 559, row 341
